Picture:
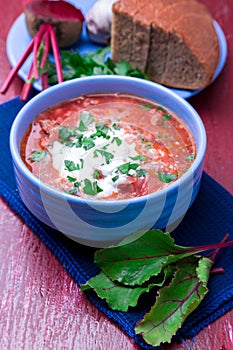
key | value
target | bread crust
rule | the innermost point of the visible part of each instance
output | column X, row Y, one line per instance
column 173, row 41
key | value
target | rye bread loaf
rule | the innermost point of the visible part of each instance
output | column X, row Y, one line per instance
column 173, row 41
column 142, row 30
column 123, row 24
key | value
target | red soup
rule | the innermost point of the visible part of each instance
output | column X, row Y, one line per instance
column 108, row 146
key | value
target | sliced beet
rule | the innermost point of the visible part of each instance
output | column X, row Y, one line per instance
column 65, row 18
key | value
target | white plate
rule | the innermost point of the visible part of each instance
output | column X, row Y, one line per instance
column 18, row 39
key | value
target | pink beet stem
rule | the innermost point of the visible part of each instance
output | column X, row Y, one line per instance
column 46, row 48
column 214, row 254
column 44, row 81
column 37, row 41
column 16, row 68
column 27, row 85
column 44, row 76
column 56, row 54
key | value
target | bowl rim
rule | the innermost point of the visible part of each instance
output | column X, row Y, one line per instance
column 94, row 79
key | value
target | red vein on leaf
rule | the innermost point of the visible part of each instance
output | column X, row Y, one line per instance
column 197, row 249
column 174, row 311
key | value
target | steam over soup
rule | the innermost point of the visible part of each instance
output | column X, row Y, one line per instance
column 108, row 146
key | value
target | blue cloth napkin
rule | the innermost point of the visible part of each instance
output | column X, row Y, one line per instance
column 208, row 220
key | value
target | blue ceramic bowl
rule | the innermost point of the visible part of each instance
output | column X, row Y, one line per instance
column 100, row 223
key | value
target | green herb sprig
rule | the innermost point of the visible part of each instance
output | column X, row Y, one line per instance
column 75, row 65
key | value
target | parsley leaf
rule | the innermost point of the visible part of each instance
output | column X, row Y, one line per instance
column 166, row 177
column 88, row 143
column 126, row 167
column 138, row 157
column 116, row 126
column 122, row 68
column 190, row 158
column 91, row 187
column 107, row 155
column 141, row 172
column 166, row 116
column 117, row 140
column 38, row 156
column 147, row 106
column 64, row 132
column 75, row 65
column 96, row 174
column 70, row 165
column 71, row 179
column 115, row 178
column 85, row 120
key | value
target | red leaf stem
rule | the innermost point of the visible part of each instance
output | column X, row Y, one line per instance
column 37, row 41
column 217, row 270
column 216, row 246
column 47, row 34
column 215, row 252
column 27, row 85
column 46, row 49
column 44, row 81
column 16, row 68
column 56, row 54
column 33, row 72
column 44, row 76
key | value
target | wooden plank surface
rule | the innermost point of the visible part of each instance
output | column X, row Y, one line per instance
column 40, row 305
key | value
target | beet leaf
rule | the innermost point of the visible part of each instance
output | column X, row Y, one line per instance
column 149, row 260
column 135, row 261
column 119, row 296
column 176, row 301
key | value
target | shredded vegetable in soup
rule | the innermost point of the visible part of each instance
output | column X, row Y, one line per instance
column 108, row 146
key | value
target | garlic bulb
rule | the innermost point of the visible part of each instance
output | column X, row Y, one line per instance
column 99, row 20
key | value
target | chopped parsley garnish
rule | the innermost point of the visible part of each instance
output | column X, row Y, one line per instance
column 117, row 140
column 96, row 174
column 68, row 143
column 88, row 143
column 107, row 155
column 77, row 184
column 71, row 179
column 126, row 167
column 166, row 116
column 141, row 172
column 147, row 144
column 147, row 106
column 190, row 158
column 166, row 177
column 103, row 128
column 70, row 165
column 115, row 178
column 64, row 132
column 91, row 188
column 38, row 156
column 116, row 126
column 138, row 157
column 85, row 120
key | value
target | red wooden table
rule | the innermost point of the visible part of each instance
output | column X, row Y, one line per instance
column 40, row 305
